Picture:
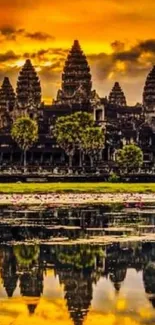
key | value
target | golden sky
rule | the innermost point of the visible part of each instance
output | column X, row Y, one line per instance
column 118, row 37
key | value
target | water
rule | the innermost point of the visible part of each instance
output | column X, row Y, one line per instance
column 43, row 282
column 74, row 223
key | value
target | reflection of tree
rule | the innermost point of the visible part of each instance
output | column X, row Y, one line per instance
column 26, row 255
column 80, row 256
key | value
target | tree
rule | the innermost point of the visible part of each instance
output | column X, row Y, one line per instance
column 129, row 158
column 26, row 255
column 92, row 142
column 25, row 134
column 73, row 132
column 65, row 132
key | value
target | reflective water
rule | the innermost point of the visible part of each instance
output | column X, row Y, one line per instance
column 85, row 222
column 44, row 284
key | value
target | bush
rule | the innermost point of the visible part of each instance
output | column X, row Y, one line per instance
column 113, row 178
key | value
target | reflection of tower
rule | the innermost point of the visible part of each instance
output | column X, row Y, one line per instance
column 78, row 269
column 117, row 277
column 78, row 293
column 31, row 274
column 31, row 285
column 149, row 282
column 8, row 272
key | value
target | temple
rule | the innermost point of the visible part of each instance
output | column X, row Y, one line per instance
column 78, row 280
column 123, row 124
column 117, row 96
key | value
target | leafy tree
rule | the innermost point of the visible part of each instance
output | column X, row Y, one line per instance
column 92, row 141
column 25, row 133
column 76, row 131
column 82, row 257
column 66, row 136
column 26, row 255
column 129, row 158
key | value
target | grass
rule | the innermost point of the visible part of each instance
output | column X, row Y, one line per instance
column 77, row 188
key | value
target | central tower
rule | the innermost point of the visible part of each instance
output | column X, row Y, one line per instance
column 76, row 78
column 76, row 71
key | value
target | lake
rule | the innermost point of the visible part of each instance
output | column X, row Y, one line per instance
column 44, row 281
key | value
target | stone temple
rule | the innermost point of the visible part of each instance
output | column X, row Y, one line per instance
column 123, row 124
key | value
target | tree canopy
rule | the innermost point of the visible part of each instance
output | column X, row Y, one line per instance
column 129, row 158
column 92, row 141
column 25, row 133
column 78, row 131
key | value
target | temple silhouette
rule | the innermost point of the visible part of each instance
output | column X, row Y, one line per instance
column 123, row 124
column 77, row 277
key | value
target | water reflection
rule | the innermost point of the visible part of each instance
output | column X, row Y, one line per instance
column 115, row 283
column 72, row 223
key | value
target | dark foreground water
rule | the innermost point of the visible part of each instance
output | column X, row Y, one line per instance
column 85, row 222
column 44, row 283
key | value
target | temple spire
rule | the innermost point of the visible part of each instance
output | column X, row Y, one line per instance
column 28, row 86
column 7, row 95
column 149, row 90
column 76, row 72
column 117, row 96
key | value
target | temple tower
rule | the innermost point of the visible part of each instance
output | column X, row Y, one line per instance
column 149, row 91
column 7, row 95
column 7, row 105
column 76, row 78
column 76, row 71
column 28, row 87
column 117, row 96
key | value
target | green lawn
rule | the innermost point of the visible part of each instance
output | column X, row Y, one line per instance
column 77, row 188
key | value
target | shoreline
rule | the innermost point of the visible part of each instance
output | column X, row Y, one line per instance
column 100, row 240
column 76, row 199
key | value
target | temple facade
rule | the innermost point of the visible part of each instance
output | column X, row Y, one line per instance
column 123, row 124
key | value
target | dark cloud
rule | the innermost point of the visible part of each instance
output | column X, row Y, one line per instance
column 9, row 56
column 44, row 55
column 10, row 33
column 147, row 46
column 131, row 55
column 124, row 63
column 118, row 46
column 39, row 36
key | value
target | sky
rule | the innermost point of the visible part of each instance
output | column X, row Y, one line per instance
column 118, row 37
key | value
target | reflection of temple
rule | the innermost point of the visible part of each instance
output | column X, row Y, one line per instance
column 31, row 274
column 123, row 124
column 72, row 223
column 79, row 270
column 9, row 271
column 117, row 277
column 78, row 293
column 149, row 275
column 31, row 285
